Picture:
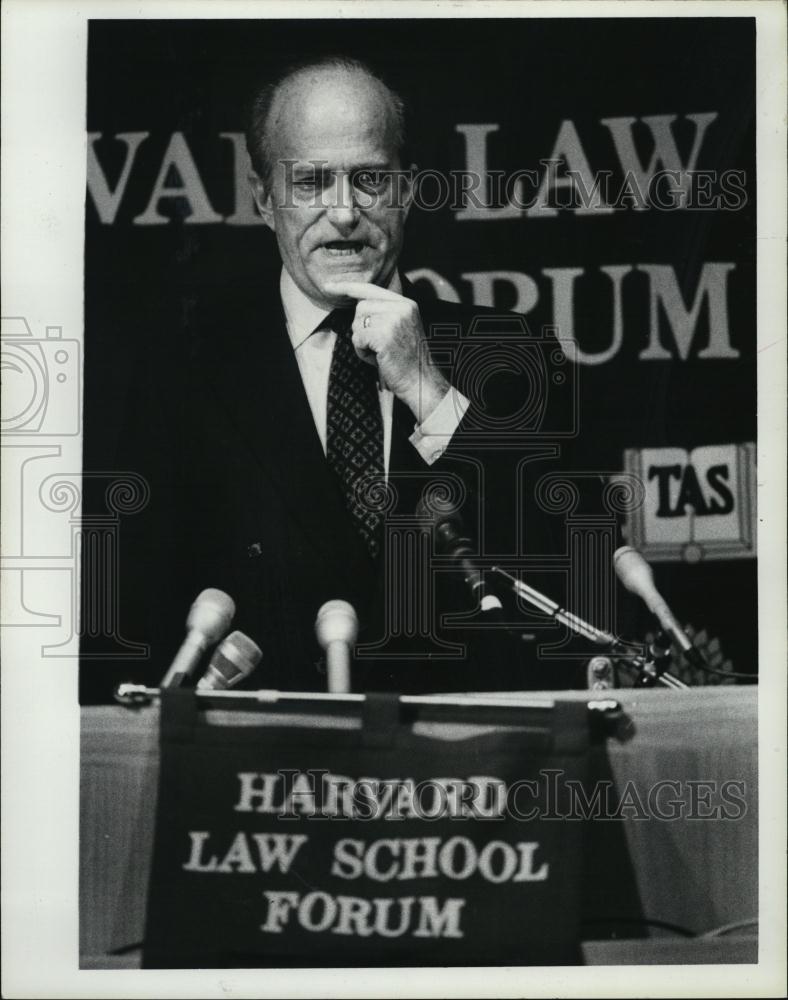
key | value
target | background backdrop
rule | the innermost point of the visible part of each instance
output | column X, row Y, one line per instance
column 660, row 300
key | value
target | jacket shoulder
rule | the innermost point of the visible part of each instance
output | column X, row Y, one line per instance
column 470, row 318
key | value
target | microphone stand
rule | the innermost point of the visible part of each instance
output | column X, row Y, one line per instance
column 651, row 670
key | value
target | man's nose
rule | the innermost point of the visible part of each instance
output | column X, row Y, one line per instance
column 342, row 210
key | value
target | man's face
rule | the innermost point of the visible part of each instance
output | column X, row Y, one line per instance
column 337, row 214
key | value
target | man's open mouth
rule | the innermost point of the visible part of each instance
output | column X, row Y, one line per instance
column 343, row 248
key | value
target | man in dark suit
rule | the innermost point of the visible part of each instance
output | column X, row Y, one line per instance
column 295, row 456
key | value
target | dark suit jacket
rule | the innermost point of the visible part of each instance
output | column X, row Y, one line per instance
column 242, row 500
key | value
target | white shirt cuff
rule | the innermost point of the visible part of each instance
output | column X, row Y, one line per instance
column 431, row 438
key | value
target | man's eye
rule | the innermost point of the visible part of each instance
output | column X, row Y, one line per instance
column 307, row 185
column 369, row 180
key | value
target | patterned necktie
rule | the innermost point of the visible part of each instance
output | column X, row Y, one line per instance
column 354, row 431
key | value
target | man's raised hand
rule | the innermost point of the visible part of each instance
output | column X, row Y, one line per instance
column 387, row 331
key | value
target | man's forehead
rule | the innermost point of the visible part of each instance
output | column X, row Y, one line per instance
column 328, row 109
column 341, row 158
column 330, row 84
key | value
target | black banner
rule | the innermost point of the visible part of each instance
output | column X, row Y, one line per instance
column 285, row 845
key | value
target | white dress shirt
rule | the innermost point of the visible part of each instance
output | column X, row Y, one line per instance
column 313, row 348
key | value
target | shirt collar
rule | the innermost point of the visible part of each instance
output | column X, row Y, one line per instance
column 302, row 315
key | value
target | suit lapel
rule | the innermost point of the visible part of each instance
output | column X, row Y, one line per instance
column 261, row 388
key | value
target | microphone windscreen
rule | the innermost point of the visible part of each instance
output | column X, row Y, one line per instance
column 633, row 571
column 436, row 504
column 444, row 523
column 211, row 614
column 234, row 660
column 336, row 621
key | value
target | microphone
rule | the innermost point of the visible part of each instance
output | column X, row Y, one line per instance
column 336, row 628
column 451, row 539
column 234, row 659
column 635, row 574
column 208, row 620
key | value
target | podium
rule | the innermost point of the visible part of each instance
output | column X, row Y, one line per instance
column 652, row 887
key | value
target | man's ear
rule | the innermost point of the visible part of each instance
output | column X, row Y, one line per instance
column 407, row 188
column 262, row 198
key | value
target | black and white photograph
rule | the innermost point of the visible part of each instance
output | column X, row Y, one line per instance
column 393, row 448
